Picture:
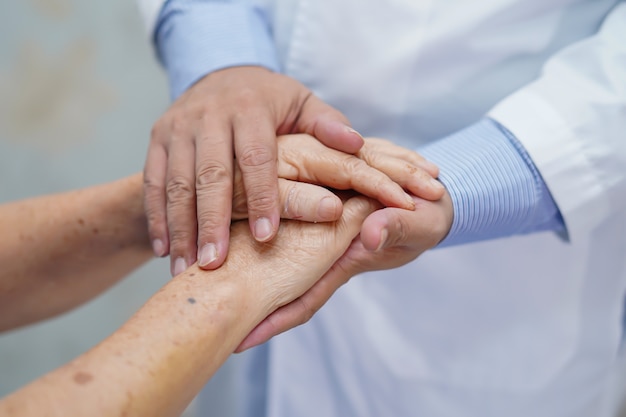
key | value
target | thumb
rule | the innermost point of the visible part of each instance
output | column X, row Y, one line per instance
column 355, row 211
column 328, row 125
column 386, row 228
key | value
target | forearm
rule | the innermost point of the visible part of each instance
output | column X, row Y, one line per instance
column 59, row 251
column 157, row 362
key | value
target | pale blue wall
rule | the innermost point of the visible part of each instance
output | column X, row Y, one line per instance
column 79, row 91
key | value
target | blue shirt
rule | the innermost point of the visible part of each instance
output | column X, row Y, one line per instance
column 496, row 189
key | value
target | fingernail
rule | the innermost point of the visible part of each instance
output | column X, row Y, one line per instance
column 158, row 248
column 351, row 130
column 383, row 238
column 208, row 254
column 436, row 184
column 262, row 229
column 180, row 266
column 327, row 209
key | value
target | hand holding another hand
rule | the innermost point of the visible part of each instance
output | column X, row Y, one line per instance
column 230, row 117
column 389, row 237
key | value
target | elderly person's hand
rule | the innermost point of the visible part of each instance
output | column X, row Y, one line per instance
column 383, row 175
column 389, row 237
column 228, row 120
column 159, row 360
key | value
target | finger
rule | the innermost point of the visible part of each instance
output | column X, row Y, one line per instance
column 298, row 201
column 328, row 125
column 304, row 307
column 355, row 174
column 302, row 159
column 383, row 146
column 394, row 228
column 255, row 147
column 410, row 231
column 375, row 230
column 409, row 176
column 181, row 205
column 154, row 198
column 214, row 190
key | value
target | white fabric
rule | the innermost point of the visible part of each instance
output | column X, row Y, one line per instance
column 526, row 326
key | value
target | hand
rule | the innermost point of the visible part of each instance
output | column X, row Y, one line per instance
column 232, row 115
column 389, row 238
column 303, row 160
column 379, row 170
column 280, row 271
column 163, row 355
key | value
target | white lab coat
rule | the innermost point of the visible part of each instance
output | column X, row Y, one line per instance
column 523, row 326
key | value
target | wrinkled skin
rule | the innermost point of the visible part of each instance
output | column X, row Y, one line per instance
column 229, row 121
column 229, row 118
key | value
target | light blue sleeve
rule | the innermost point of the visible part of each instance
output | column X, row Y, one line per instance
column 496, row 189
column 196, row 37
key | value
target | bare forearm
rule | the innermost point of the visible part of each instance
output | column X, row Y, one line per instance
column 58, row 251
column 160, row 359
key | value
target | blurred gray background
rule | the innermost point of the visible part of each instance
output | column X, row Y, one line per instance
column 79, row 91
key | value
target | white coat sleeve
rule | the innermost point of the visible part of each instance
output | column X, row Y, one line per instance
column 572, row 122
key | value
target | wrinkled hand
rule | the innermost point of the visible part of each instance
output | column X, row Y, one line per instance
column 280, row 271
column 230, row 116
column 303, row 162
column 390, row 237
column 380, row 170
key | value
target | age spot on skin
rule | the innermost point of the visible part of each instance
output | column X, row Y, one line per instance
column 82, row 378
column 191, row 300
column 81, row 221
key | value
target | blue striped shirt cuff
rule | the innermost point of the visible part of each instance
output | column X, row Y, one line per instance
column 496, row 189
column 194, row 38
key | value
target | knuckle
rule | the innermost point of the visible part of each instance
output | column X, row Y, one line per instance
column 181, row 236
column 155, row 214
column 401, row 232
column 150, row 185
column 209, row 221
column 181, row 239
column 211, row 173
column 179, row 189
column 247, row 97
column 262, row 200
column 178, row 123
column 291, row 199
column 256, row 156
column 353, row 164
column 307, row 311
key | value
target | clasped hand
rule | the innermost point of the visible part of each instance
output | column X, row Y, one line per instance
column 228, row 122
column 401, row 228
